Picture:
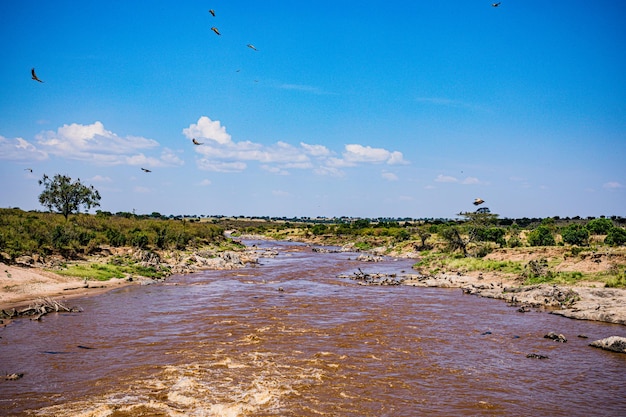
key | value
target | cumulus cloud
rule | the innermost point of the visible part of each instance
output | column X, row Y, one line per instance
column 18, row 149
column 205, row 182
column 359, row 153
column 612, row 185
column 96, row 144
column 219, row 152
column 315, row 150
column 207, row 129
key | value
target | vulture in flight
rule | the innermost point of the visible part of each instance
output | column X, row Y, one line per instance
column 212, row 12
column 29, row 170
column 145, row 170
column 34, row 76
column 251, row 46
column 214, row 29
column 195, row 142
column 495, row 4
column 478, row 201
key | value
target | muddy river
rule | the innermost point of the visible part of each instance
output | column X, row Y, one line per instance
column 289, row 337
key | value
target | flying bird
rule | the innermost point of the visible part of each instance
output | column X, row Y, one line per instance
column 251, row 46
column 34, row 76
column 28, row 169
column 145, row 170
column 212, row 12
column 478, row 201
column 495, row 4
column 195, row 142
column 214, row 29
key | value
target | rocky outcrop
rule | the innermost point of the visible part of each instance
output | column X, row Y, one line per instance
column 556, row 337
column 583, row 303
column 613, row 343
column 364, row 278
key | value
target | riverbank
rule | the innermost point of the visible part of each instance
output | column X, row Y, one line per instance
column 21, row 286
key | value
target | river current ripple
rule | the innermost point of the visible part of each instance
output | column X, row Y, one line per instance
column 290, row 338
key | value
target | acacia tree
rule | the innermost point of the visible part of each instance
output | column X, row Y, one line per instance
column 65, row 196
column 473, row 229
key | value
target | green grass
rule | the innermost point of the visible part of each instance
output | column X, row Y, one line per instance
column 104, row 272
column 557, row 278
column 457, row 262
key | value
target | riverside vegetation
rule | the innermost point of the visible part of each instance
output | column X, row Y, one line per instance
column 551, row 250
column 530, row 251
column 109, row 242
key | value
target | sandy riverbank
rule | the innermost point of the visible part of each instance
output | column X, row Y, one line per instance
column 20, row 286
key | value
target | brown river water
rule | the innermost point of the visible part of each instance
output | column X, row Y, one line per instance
column 290, row 338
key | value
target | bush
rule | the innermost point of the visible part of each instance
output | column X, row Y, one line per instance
column 599, row 226
column 575, row 234
column 541, row 236
column 616, row 237
column 319, row 229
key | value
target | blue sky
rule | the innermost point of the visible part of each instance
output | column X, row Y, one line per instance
column 368, row 109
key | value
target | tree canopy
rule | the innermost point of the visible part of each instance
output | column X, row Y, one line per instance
column 65, row 196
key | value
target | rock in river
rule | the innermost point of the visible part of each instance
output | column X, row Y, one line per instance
column 613, row 343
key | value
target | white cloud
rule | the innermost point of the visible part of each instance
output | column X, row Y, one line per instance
column 205, row 182
column 612, row 185
column 445, row 178
column 329, row 171
column 274, row 170
column 470, row 181
column 19, row 149
column 220, row 153
column 96, row 144
column 389, row 176
column 315, row 150
column 216, row 166
column 170, row 157
column 208, row 129
column 360, row 153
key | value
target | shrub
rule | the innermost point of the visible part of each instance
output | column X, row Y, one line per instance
column 616, row 237
column 541, row 236
column 599, row 226
column 575, row 234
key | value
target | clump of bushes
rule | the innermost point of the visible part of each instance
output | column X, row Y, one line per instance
column 28, row 233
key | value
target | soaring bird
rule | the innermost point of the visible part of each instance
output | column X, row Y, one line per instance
column 478, row 201
column 251, row 46
column 195, row 142
column 214, row 29
column 34, row 76
column 495, row 4
column 145, row 170
column 212, row 12
column 29, row 170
